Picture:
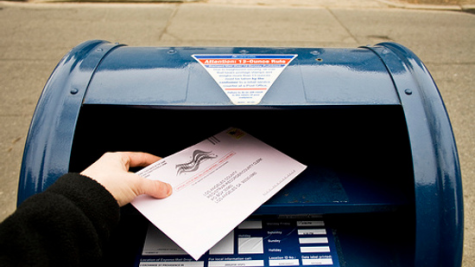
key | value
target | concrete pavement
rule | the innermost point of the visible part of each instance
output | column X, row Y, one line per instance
column 34, row 37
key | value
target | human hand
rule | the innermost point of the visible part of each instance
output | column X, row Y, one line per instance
column 112, row 172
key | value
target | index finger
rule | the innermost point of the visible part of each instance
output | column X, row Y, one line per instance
column 139, row 159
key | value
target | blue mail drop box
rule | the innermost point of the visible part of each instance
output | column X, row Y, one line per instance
column 369, row 122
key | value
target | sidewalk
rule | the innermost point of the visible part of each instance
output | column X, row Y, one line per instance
column 35, row 36
column 406, row 4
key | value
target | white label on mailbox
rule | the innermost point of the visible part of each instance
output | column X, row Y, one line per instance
column 245, row 78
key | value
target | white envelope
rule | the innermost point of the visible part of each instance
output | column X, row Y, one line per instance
column 217, row 184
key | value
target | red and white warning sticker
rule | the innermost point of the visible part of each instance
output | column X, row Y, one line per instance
column 245, row 78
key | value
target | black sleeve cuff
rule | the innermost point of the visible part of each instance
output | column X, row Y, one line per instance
column 66, row 225
column 92, row 199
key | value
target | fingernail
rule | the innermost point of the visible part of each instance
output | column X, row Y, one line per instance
column 169, row 190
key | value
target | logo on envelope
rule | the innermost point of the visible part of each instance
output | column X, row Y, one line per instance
column 196, row 159
column 236, row 133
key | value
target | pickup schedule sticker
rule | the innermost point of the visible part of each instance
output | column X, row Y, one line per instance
column 257, row 242
column 245, row 78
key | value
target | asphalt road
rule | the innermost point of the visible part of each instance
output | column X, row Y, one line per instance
column 35, row 36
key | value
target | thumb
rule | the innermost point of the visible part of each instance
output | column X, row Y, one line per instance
column 154, row 188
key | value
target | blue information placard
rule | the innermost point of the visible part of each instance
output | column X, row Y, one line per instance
column 257, row 242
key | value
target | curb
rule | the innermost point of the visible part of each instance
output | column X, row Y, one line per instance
column 397, row 4
column 469, row 8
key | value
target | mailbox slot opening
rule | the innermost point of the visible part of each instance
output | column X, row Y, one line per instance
column 359, row 161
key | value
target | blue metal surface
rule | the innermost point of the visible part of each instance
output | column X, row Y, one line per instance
column 437, row 176
column 97, row 74
column 48, row 145
column 170, row 76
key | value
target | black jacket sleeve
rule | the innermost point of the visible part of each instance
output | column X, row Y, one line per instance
column 66, row 225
